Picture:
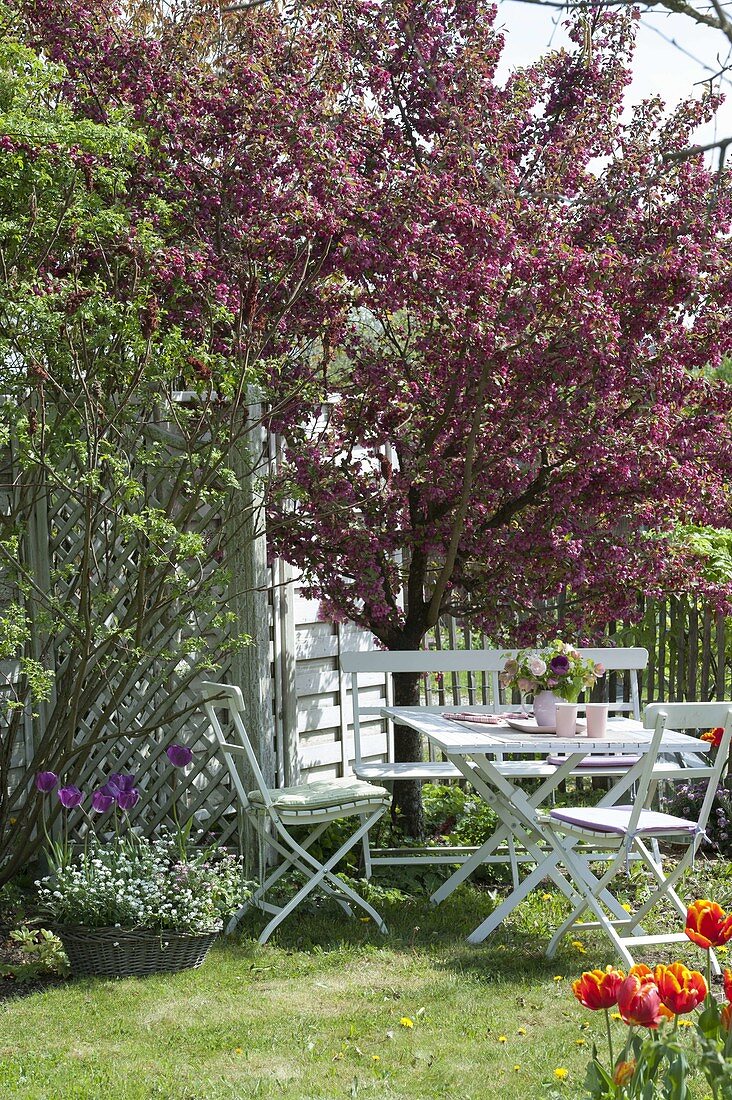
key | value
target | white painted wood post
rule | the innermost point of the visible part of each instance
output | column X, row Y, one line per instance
column 250, row 665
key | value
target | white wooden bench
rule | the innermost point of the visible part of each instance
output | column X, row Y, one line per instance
column 485, row 664
column 474, row 676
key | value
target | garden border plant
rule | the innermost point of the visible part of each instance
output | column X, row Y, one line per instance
column 657, row 1066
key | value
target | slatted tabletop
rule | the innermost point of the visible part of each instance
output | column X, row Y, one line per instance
column 467, row 739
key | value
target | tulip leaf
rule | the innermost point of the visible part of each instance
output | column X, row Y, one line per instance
column 598, row 1082
column 708, row 1022
column 676, row 1077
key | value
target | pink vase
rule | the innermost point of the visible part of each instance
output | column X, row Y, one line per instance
column 545, row 708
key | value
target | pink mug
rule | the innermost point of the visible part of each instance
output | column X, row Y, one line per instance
column 596, row 715
column 566, row 719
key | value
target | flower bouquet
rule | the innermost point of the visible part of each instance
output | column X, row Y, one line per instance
column 558, row 668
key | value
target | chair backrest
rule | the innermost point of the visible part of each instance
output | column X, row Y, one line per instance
column 646, row 776
column 488, row 662
column 688, row 716
column 681, row 716
column 229, row 698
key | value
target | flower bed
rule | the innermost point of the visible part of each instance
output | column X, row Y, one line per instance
column 656, row 1065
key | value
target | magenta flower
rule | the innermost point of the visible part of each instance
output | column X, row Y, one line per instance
column 127, row 799
column 70, row 796
column 46, row 781
column 102, row 801
column 179, row 755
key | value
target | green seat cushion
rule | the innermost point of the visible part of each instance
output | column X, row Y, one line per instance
column 322, row 794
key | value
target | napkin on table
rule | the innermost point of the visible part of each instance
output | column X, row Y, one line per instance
column 485, row 719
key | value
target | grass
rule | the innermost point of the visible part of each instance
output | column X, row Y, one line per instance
column 319, row 1013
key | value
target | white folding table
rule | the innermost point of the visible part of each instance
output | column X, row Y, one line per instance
column 479, row 752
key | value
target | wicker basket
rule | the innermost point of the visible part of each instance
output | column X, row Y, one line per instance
column 131, row 952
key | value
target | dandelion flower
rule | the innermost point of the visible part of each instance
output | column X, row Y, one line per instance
column 559, row 977
column 561, row 1073
column 238, row 1050
column 546, row 897
column 502, row 1039
column 521, row 1031
column 406, row 1022
column 626, row 907
column 579, row 1042
column 579, row 947
column 375, row 1057
column 615, row 1016
column 516, row 1068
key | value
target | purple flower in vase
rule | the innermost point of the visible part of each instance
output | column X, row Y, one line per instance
column 559, row 664
column 179, row 755
column 102, row 801
column 127, row 799
column 46, row 781
column 70, row 796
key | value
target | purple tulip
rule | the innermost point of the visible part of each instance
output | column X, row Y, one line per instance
column 117, row 783
column 46, row 781
column 179, row 755
column 559, row 664
column 102, row 801
column 127, row 799
column 70, row 797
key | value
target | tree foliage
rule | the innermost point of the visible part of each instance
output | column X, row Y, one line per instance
column 523, row 415
column 160, row 248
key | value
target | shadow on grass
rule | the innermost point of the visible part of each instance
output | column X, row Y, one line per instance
column 438, row 933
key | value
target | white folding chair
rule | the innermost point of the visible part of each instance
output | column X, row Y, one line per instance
column 274, row 812
column 630, row 831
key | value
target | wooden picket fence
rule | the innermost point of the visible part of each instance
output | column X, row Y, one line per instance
column 689, row 655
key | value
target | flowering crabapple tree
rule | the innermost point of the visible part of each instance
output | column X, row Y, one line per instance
column 520, row 410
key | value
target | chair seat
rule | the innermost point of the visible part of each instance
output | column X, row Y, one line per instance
column 614, row 819
column 590, row 762
column 323, row 794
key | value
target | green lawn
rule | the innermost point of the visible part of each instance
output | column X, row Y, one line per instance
column 320, row 1013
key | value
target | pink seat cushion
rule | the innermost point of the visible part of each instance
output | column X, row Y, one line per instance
column 598, row 761
column 614, row 819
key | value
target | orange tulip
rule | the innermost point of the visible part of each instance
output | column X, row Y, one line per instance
column 728, row 984
column 679, row 988
column 639, row 1001
column 623, row 1072
column 714, row 736
column 707, row 924
column 598, row 988
column 725, row 1016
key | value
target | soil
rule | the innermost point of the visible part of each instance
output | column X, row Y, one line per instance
column 13, row 986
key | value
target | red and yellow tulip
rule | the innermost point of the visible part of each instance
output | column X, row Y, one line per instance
column 639, row 1001
column 714, row 736
column 598, row 988
column 679, row 988
column 707, row 924
column 623, row 1072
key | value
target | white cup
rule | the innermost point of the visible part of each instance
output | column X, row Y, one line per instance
column 566, row 719
column 596, row 714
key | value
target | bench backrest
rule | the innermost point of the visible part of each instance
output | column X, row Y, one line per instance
column 488, row 663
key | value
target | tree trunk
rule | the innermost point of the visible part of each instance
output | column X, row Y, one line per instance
column 406, row 805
